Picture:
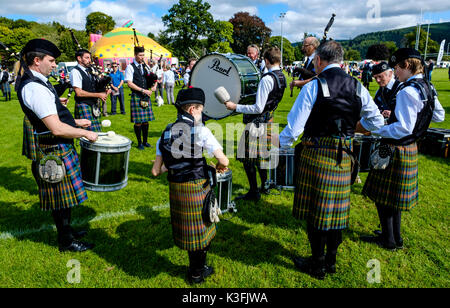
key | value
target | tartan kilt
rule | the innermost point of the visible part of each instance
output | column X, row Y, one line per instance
column 186, row 203
column 397, row 186
column 139, row 114
column 29, row 140
column 70, row 191
column 84, row 111
column 322, row 189
column 255, row 149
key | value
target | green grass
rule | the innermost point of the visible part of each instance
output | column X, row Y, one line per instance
column 252, row 249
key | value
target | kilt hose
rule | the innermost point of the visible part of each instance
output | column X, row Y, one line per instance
column 255, row 149
column 29, row 140
column 139, row 114
column 84, row 111
column 186, row 203
column 322, row 189
column 397, row 186
column 70, row 191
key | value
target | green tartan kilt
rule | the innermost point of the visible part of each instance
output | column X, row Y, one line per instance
column 186, row 204
column 255, row 149
column 139, row 114
column 322, row 193
column 70, row 191
column 29, row 140
column 84, row 111
column 397, row 186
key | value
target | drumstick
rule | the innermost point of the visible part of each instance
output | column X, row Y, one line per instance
column 222, row 95
column 109, row 134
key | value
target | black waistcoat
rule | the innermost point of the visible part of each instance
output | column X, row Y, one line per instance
column 181, row 157
column 87, row 85
column 385, row 98
column 274, row 98
column 342, row 103
column 139, row 79
column 63, row 113
column 427, row 94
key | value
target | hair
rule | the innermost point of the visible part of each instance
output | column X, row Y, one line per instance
column 314, row 41
column 30, row 56
column 331, row 51
column 414, row 65
column 190, row 60
column 138, row 49
column 273, row 55
column 80, row 53
column 186, row 107
column 253, row 46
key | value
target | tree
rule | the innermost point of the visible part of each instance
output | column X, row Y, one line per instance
column 221, row 38
column 249, row 30
column 433, row 46
column 392, row 46
column 186, row 22
column 98, row 21
column 352, row 55
column 152, row 36
column 288, row 50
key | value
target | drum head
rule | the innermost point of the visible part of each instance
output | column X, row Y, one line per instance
column 218, row 70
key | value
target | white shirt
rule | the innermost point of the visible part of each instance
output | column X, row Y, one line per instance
column 204, row 139
column 129, row 71
column 159, row 73
column 409, row 104
column 75, row 77
column 39, row 98
column 299, row 114
column 186, row 77
column 389, row 85
column 169, row 77
column 262, row 67
column 265, row 86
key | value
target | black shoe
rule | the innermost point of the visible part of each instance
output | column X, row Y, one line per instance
column 379, row 241
column 207, row 271
column 250, row 196
column 330, row 268
column 113, row 113
column 264, row 191
column 377, row 232
column 123, row 113
column 307, row 266
column 399, row 244
column 76, row 246
column 195, row 279
column 140, row 147
column 148, row 145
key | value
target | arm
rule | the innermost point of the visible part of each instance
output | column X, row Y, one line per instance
column 63, row 130
column 158, row 166
column 370, row 114
column 264, row 88
column 222, row 160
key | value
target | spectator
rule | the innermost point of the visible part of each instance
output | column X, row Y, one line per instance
column 169, row 83
column 117, row 80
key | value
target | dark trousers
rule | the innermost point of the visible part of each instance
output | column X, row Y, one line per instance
column 318, row 239
column 197, row 261
column 250, row 170
column 160, row 89
column 121, row 101
column 390, row 220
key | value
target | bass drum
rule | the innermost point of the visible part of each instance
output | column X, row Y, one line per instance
column 236, row 73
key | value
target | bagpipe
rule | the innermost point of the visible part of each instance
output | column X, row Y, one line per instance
column 306, row 74
column 150, row 77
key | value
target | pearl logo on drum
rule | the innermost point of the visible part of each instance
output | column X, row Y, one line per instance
column 216, row 67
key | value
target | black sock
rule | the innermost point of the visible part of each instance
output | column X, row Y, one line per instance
column 262, row 176
column 62, row 222
column 145, row 132
column 250, row 170
column 397, row 220
column 334, row 239
column 137, row 131
column 318, row 241
column 388, row 230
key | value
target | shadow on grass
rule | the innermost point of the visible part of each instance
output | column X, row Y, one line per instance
column 15, row 179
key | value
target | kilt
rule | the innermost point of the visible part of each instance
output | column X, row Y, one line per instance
column 397, row 186
column 70, row 191
column 84, row 111
column 29, row 140
column 322, row 189
column 255, row 149
column 186, row 203
column 139, row 114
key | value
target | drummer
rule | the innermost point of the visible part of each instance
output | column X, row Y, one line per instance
column 385, row 97
column 253, row 149
column 187, row 184
column 56, row 129
column 253, row 54
column 326, row 112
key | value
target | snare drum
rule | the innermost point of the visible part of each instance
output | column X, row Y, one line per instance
column 104, row 163
column 224, row 190
column 236, row 73
column 282, row 168
column 363, row 147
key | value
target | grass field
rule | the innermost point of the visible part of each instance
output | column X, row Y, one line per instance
column 132, row 232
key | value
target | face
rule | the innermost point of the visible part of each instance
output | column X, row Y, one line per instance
column 46, row 65
column 196, row 112
column 308, row 48
column 85, row 60
column 252, row 53
column 383, row 78
column 140, row 57
column 115, row 67
column 191, row 65
column 402, row 74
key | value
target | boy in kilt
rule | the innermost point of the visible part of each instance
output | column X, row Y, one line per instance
column 326, row 111
column 55, row 129
column 256, row 141
column 140, row 104
column 86, row 98
column 395, row 189
column 187, row 175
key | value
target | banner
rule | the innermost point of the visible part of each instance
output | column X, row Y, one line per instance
column 441, row 52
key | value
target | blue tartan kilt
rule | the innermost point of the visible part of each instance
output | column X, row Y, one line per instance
column 139, row 114
column 70, row 191
column 84, row 111
column 186, row 204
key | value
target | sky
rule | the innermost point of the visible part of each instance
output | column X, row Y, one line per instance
column 353, row 17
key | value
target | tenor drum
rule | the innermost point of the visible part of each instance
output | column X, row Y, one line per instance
column 363, row 147
column 236, row 73
column 282, row 169
column 104, row 163
column 224, row 190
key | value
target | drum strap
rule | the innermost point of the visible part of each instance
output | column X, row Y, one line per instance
column 324, row 86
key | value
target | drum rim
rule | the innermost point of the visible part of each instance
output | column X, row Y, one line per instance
column 88, row 144
column 224, row 176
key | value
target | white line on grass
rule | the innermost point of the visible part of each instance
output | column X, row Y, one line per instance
column 77, row 222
